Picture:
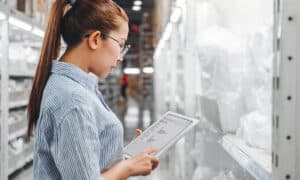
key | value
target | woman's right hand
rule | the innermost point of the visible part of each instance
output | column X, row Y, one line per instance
column 143, row 163
column 139, row 165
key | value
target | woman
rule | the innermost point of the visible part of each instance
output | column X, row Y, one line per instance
column 76, row 134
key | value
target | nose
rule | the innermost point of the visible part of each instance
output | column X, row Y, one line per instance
column 120, row 58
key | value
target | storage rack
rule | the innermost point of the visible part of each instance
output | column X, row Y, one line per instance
column 285, row 150
column 146, row 61
column 110, row 89
column 17, row 31
column 282, row 163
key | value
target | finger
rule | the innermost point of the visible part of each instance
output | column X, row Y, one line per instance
column 138, row 132
column 154, row 160
column 155, row 165
column 150, row 150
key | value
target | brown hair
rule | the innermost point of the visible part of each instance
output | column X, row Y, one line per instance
column 83, row 16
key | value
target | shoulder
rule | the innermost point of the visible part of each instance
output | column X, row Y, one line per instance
column 63, row 95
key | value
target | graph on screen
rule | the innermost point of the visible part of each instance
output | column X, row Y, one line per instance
column 158, row 135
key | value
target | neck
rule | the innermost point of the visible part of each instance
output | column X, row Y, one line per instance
column 76, row 58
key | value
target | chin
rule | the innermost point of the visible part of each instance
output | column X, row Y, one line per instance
column 103, row 75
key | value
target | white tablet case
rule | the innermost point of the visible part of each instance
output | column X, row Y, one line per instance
column 161, row 135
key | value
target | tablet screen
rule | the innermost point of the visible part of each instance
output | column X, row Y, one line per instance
column 159, row 134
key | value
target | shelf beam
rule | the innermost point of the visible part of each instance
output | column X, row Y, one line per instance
column 18, row 104
column 256, row 161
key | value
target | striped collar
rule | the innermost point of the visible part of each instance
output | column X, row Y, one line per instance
column 74, row 73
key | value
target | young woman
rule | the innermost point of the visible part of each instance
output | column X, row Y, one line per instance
column 77, row 136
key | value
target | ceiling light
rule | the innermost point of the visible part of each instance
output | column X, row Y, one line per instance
column 132, row 71
column 19, row 23
column 148, row 70
column 38, row 32
column 137, row 3
column 136, row 8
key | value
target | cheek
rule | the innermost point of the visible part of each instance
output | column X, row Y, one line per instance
column 114, row 51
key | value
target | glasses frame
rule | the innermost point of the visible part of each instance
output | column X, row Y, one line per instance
column 124, row 47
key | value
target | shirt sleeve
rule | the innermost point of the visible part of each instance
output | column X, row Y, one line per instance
column 78, row 146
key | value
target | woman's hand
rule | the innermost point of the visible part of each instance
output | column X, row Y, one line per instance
column 139, row 165
column 138, row 132
column 143, row 163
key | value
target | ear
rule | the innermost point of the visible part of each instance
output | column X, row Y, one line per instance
column 94, row 40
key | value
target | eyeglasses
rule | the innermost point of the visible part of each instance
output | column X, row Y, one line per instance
column 124, row 48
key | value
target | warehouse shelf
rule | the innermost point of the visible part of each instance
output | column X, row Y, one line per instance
column 16, row 125
column 256, row 161
column 21, row 75
column 18, row 133
column 18, row 160
column 17, row 104
column 20, row 163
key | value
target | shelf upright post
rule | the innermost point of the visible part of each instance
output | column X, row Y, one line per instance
column 286, row 84
column 190, row 60
column 190, row 66
column 4, row 100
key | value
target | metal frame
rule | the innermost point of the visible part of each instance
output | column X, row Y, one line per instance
column 285, row 157
column 285, row 114
column 4, row 101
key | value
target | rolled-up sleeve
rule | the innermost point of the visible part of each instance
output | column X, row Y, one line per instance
column 78, row 146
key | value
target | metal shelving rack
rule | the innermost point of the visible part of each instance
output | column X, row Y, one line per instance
column 12, row 159
column 110, row 89
column 286, row 85
column 283, row 163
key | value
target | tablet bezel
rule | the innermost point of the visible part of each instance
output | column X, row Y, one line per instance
column 174, row 140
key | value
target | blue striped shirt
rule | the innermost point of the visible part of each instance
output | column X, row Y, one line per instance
column 77, row 136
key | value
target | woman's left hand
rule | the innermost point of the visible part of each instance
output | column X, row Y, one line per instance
column 138, row 132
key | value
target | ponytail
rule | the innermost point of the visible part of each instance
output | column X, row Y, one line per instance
column 71, row 19
column 50, row 51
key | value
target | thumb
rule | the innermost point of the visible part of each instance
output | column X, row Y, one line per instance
column 138, row 132
column 150, row 150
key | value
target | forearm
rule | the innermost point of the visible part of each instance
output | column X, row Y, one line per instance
column 119, row 171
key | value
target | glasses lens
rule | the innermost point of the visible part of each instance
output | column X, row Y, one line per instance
column 125, row 50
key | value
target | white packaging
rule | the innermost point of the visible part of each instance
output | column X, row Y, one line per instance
column 244, row 16
column 259, row 99
column 223, row 61
column 231, row 109
column 256, row 130
column 225, row 176
column 204, row 173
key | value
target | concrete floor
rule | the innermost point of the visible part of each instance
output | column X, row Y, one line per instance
column 131, row 123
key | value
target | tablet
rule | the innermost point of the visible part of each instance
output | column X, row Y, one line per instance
column 161, row 135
